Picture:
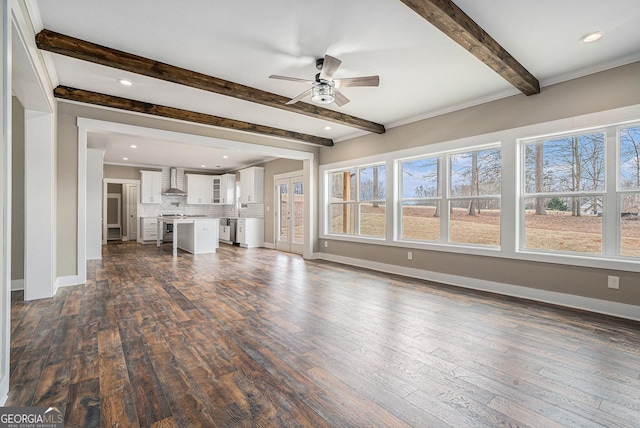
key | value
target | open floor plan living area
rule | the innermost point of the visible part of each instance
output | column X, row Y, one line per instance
column 390, row 213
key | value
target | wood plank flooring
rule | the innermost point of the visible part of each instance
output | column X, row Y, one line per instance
column 259, row 338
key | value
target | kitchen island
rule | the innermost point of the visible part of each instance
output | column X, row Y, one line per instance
column 196, row 235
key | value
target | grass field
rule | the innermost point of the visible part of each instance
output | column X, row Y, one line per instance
column 557, row 231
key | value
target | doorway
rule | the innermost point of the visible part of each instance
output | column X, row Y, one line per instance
column 119, row 209
column 290, row 208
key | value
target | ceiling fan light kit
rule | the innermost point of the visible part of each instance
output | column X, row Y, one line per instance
column 323, row 93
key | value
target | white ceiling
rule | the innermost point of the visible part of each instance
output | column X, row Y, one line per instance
column 422, row 72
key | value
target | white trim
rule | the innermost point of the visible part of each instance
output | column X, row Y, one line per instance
column 81, row 256
column 3, row 399
column 5, row 264
column 161, row 134
column 605, row 307
column 17, row 284
column 67, row 281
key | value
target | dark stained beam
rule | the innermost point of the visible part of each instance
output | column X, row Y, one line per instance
column 95, row 98
column 452, row 21
column 87, row 51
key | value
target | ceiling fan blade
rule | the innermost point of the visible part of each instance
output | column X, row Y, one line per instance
column 340, row 98
column 329, row 66
column 299, row 97
column 292, row 79
column 357, row 81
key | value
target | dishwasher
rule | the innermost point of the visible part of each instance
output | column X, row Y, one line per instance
column 233, row 227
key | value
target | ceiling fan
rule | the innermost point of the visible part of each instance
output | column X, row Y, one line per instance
column 324, row 89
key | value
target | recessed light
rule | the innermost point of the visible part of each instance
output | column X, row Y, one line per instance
column 125, row 82
column 327, row 128
column 125, row 158
column 225, row 157
column 591, row 37
column 133, row 146
column 203, row 166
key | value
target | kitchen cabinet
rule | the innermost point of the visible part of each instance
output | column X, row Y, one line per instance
column 252, row 185
column 148, row 229
column 223, row 189
column 250, row 232
column 150, row 187
column 198, row 189
column 225, row 232
column 197, row 236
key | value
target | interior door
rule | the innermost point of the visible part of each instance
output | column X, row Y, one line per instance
column 290, row 214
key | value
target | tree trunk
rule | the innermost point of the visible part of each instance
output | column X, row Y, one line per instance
column 577, row 172
column 539, row 178
column 473, row 204
column 375, row 187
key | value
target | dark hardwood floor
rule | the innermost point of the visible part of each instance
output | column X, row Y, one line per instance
column 260, row 338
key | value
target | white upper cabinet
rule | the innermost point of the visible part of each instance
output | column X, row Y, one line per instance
column 150, row 187
column 199, row 189
column 252, row 185
column 224, row 193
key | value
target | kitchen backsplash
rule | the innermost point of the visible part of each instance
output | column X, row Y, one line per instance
column 178, row 205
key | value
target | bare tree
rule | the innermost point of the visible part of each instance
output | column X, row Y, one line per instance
column 539, row 177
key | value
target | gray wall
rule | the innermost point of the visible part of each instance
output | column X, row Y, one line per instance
column 17, row 191
column 608, row 90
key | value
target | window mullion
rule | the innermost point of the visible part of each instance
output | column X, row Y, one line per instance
column 611, row 216
column 445, row 212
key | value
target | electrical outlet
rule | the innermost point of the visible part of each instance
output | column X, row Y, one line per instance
column 613, row 282
column 410, row 255
column 326, row 244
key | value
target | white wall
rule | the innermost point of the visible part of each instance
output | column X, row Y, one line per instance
column 94, row 203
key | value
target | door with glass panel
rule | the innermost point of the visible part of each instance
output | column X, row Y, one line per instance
column 290, row 214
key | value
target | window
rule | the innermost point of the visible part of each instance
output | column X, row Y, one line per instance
column 358, row 201
column 421, row 199
column 474, row 197
column 629, row 190
column 371, row 200
column 341, row 207
column 564, row 193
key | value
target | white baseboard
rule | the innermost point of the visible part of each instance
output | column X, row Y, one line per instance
column 66, row 281
column 3, row 399
column 621, row 310
column 17, row 284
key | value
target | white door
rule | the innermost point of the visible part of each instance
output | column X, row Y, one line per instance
column 132, row 211
column 290, row 214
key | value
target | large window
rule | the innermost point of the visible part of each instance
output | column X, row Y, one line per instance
column 629, row 190
column 472, row 199
column 358, row 201
column 421, row 199
column 564, row 181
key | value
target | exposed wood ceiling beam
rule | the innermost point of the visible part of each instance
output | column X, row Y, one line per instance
column 95, row 98
column 87, row 51
column 452, row 21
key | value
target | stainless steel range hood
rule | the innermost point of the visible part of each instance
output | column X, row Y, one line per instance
column 173, row 187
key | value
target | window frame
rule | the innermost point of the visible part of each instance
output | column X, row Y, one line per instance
column 511, row 192
column 524, row 195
